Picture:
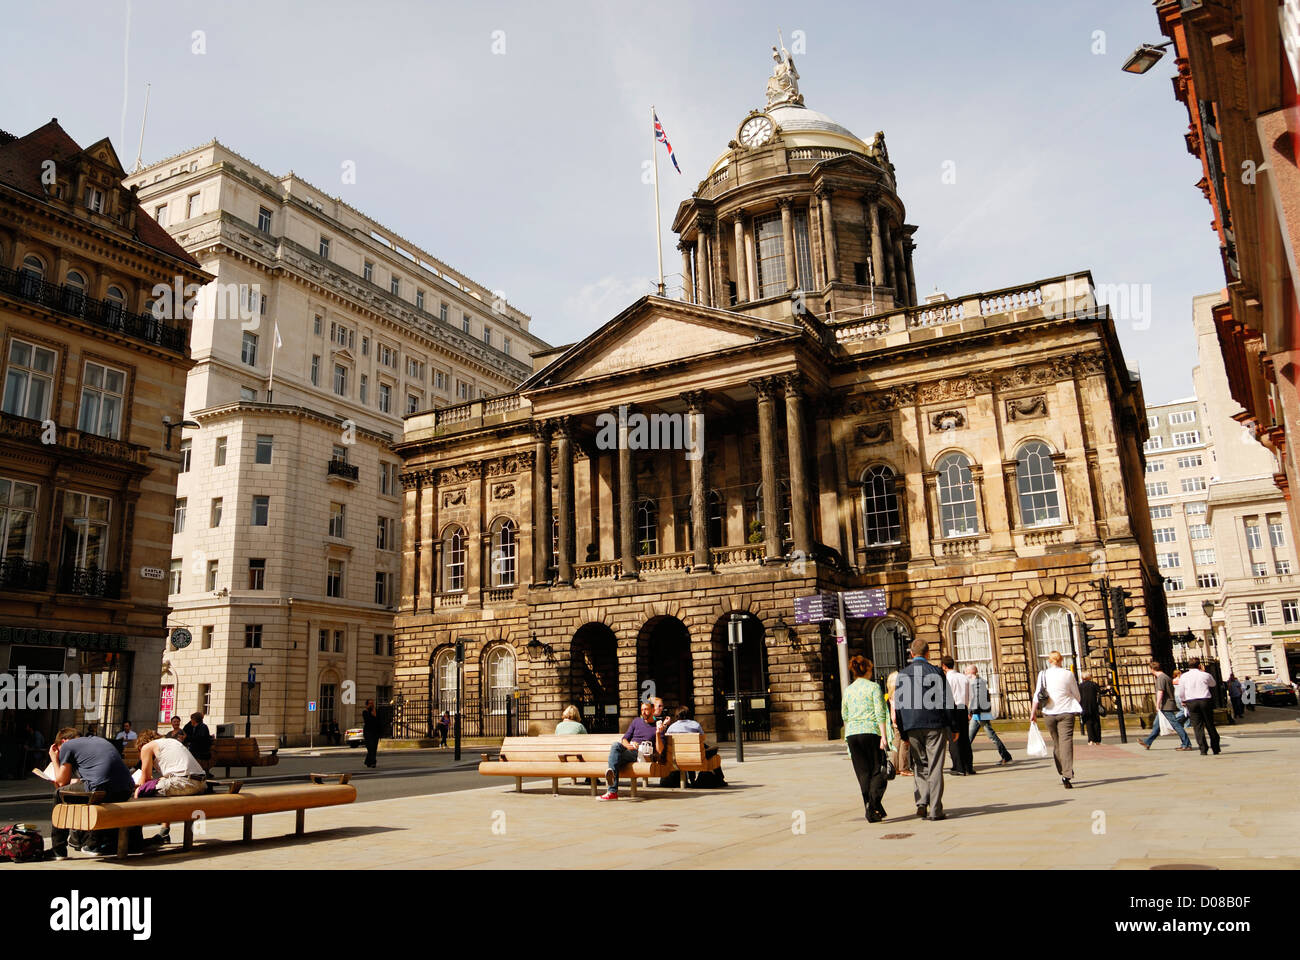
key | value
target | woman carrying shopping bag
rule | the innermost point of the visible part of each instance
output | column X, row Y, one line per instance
column 866, row 730
column 1057, row 694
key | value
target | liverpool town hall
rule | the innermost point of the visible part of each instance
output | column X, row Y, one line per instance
column 795, row 423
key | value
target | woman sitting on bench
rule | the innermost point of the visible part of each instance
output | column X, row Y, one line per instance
column 167, row 769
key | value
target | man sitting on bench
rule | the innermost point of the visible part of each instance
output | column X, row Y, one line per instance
column 100, row 767
column 627, row 750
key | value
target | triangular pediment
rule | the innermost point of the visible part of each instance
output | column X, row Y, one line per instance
column 103, row 152
column 655, row 331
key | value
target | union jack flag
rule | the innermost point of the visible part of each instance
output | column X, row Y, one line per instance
column 663, row 138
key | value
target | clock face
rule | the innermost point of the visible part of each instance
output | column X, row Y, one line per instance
column 756, row 131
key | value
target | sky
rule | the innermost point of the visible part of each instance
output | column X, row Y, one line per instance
column 509, row 139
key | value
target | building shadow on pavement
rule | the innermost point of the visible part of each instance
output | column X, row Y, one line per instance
column 961, row 813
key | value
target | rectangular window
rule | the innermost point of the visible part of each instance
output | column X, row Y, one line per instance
column 1183, row 416
column 802, row 251
column 1259, row 569
column 187, row 451
column 442, row 312
column 1153, row 444
column 1158, row 489
column 770, row 240
column 1291, row 611
column 1174, row 584
column 395, row 286
column 323, row 641
column 365, row 346
column 248, row 352
column 1258, row 618
column 94, row 199
column 419, row 300
column 1153, row 422
column 1206, row 581
column 265, row 444
column 337, row 511
column 214, row 568
column 340, row 380
column 253, row 636
column 1276, row 535
column 29, row 381
column 191, row 206
column 381, row 587
column 1196, row 508
column 1253, row 538
column 487, row 334
column 261, row 511
column 464, row 390
column 1193, row 484
column 206, row 642
column 364, row 388
column 214, row 516
column 385, row 528
column 248, row 394
column 1155, row 466
column 338, row 641
column 385, row 398
column 324, row 248
column 1165, row 534
column 103, row 396
column 1204, row 557
column 387, row 478
column 379, row 644
column 465, row 323
column 205, row 698
column 412, row 403
column 316, row 322
column 1199, row 531
column 314, row 373
column 368, row 272
column 256, row 573
column 178, row 516
column 219, row 453
column 440, row 380
column 334, row 579
column 1282, row 567
column 1162, row 512
column 177, row 569
column 415, row 369
column 1177, row 611
column 264, row 219
column 505, row 345
column 85, row 531
column 1187, row 438
column 160, row 214
column 1168, row 560
column 17, row 519
column 1192, row 460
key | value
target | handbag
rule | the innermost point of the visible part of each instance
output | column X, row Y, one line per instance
column 889, row 767
column 1044, row 698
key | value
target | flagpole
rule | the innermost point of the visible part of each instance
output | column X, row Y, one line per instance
column 270, row 376
column 654, row 157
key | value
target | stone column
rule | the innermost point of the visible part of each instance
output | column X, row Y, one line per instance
column 900, row 270
column 911, row 274
column 541, row 502
column 772, row 538
column 688, row 287
column 699, row 493
column 701, row 263
column 800, row 522
column 626, row 500
column 720, row 294
column 751, row 261
column 828, row 238
column 877, row 245
column 787, row 232
column 564, row 461
column 742, row 279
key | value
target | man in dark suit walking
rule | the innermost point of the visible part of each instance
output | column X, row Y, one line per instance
column 370, row 732
column 1090, row 700
column 924, row 709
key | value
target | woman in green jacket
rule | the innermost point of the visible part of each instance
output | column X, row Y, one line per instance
column 867, row 732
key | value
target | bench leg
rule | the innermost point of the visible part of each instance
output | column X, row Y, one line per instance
column 123, row 841
column 593, row 786
column 301, row 823
column 188, row 842
column 634, row 788
column 248, row 827
column 555, row 786
column 682, row 784
column 519, row 784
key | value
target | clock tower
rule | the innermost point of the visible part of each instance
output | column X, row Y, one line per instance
column 797, row 210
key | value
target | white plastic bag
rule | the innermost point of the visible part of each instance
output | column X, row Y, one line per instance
column 1036, row 747
column 1166, row 727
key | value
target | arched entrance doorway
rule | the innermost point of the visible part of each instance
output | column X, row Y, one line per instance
column 663, row 659
column 593, row 677
column 757, row 704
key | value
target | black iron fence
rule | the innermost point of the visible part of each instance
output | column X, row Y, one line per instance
column 1009, row 688
column 755, row 717
column 19, row 574
column 599, row 717
column 497, row 715
column 90, row 582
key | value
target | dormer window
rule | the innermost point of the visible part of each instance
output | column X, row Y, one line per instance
column 95, row 199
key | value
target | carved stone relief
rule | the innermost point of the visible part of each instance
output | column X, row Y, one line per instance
column 870, row 434
column 1027, row 408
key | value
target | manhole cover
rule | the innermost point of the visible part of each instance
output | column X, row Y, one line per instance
column 895, row 836
column 1183, row 866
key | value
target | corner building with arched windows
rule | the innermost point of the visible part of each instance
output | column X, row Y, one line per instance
column 978, row 457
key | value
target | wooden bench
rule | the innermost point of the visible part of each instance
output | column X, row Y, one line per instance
column 240, row 752
column 245, row 803
column 587, row 755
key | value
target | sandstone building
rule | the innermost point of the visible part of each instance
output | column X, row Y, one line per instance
column 808, row 428
column 323, row 329
column 88, row 462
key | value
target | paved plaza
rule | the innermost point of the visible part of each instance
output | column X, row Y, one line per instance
column 793, row 805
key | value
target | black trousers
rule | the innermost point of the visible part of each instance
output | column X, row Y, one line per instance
column 371, row 747
column 1092, row 724
column 868, row 764
column 1202, row 716
column 963, row 757
column 105, row 839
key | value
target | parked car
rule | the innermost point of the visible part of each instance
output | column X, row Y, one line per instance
column 1271, row 694
column 353, row 737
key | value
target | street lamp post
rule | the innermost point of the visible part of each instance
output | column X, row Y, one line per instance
column 248, row 715
column 1208, row 608
column 735, row 637
column 460, row 682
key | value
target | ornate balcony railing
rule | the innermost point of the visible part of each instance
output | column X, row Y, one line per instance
column 341, row 468
column 498, row 594
column 600, row 570
column 90, row 582
column 744, row 553
column 89, row 444
column 448, row 601
column 662, row 562
column 19, row 574
column 105, row 314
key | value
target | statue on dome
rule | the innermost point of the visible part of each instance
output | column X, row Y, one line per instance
column 783, row 85
column 878, row 148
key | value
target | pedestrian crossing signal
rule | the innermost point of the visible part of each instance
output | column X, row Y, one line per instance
column 1120, row 608
column 1085, row 640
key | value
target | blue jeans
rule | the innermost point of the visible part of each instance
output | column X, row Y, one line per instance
column 619, row 755
column 987, row 724
column 1178, row 728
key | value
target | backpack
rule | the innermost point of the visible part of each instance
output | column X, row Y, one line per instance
column 709, row 780
column 21, row 843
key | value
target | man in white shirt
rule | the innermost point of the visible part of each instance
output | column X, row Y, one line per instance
column 963, row 759
column 1198, row 700
column 125, row 735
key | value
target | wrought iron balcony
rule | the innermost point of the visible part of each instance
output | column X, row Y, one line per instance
column 341, row 468
column 105, row 314
column 90, row 582
column 19, row 574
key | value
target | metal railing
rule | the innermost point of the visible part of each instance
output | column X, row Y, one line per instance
column 19, row 574
column 755, row 718
column 341, row 468
column 105, row 314
column 90, row 582
column 497, row 715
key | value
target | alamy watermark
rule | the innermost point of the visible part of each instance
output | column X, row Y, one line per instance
column 49, row 691
column 655, row 431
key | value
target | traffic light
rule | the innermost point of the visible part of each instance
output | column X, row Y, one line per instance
column 1120, row 608
column 1085, row 641
column 460, row 651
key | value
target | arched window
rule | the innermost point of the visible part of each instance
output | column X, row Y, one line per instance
column 1036, row 485
column 784, row 486
column 889, row 640
column 74, row 292
column 444, row 672
column 76, row 280
column 33, row 266
column 505, row 551
column 30, row 276
column 717, row 520
column 116, row 295
column 958, row 516
column 500, row 677
column 972, row 642
column 453, row 560
column 1051, row 629
column 647, row 527
column 880, row 520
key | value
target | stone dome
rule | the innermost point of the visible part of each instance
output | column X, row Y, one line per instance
column 801, row 127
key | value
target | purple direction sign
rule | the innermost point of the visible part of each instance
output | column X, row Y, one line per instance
column 815, row 608
column 865, row 603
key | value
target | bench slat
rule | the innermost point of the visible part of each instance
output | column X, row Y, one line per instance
column 214, row 806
